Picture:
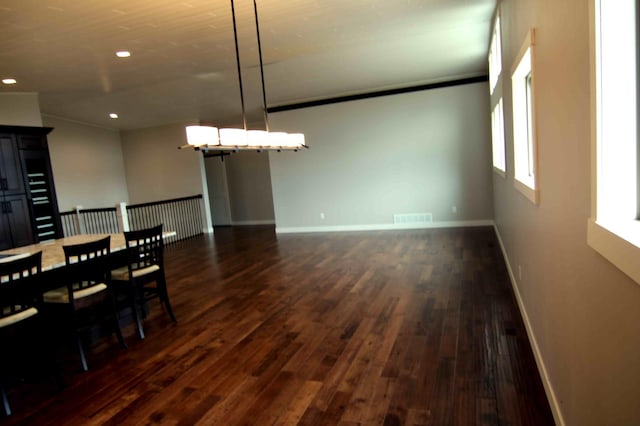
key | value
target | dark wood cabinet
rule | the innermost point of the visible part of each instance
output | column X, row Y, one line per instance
column 11, row 180
column 16, row 222
column 28, row 205
column 41, row 192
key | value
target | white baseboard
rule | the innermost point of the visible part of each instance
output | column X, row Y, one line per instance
column 252, row 222
column 383, row 227
column 548, row 387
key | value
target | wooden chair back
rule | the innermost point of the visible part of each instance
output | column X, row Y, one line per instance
column 18, row 286
column 88, row 265
column 145, row 248
column 145, row 266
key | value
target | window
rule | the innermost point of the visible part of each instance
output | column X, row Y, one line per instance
column 495, row 56
column 614, row 228
column 497, row 129
column 497, row 112
column 524, row 129
column 529, row 107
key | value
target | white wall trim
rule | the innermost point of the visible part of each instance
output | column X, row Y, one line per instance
column 383, row 226
column 548, row 387
column 253, row 222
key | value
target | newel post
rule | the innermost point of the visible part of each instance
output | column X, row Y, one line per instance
column 79, row 222
column 123, row 217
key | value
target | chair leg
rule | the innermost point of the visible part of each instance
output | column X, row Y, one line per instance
column 116, row 322
column 134, row 310
column 57, row 377
column 118, row 331
column 48, row 348
column 169, row 310
column 5, row 401
column 83, row 359
column 164, row 295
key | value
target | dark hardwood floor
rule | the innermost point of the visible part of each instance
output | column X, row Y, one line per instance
column 399, row 327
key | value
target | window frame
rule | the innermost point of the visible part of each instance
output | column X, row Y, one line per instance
column 498, row 138
column 614, row 230
column 525, row 146
column 495, row 55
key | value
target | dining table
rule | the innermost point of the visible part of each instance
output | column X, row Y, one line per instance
column 52, row 252
column 54, row 267
column 55, row 272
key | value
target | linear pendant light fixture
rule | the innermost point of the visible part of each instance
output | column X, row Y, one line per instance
column 226, row 140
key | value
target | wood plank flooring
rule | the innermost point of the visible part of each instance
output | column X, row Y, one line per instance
column 412, row 327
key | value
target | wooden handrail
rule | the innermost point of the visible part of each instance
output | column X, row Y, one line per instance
column 155, row 203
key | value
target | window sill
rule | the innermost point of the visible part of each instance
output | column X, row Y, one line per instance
column 499, row 172
column 527, row 191
column 618, row 243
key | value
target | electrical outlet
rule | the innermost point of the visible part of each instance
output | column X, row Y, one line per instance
column 322, row 216
column 454, row 209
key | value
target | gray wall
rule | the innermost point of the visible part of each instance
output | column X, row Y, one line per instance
column 583, row 314
column 420, row 152
column 216, row 172
column 156, row 169
column 240, row 189
column 20, row 109
column 87, row 163
column 88, row 167
column 249, row 183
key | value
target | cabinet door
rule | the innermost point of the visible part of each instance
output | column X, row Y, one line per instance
column 15, row 210
column 11, row 180
column 5, row 232
column 41, row 192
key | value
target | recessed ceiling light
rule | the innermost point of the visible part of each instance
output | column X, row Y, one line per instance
column 113, row 115
column 9, row 81
column 123, row 54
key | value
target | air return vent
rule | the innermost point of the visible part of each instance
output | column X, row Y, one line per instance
column 412, row 218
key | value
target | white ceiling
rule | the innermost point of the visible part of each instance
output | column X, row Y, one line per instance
column 183, row 60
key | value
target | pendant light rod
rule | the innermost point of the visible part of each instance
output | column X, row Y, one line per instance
column 224, row 141
column 264, row 94
column 235, row 38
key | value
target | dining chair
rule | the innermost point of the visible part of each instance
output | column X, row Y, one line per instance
column 143, row 278
column 87, row 299
column 21, row 328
